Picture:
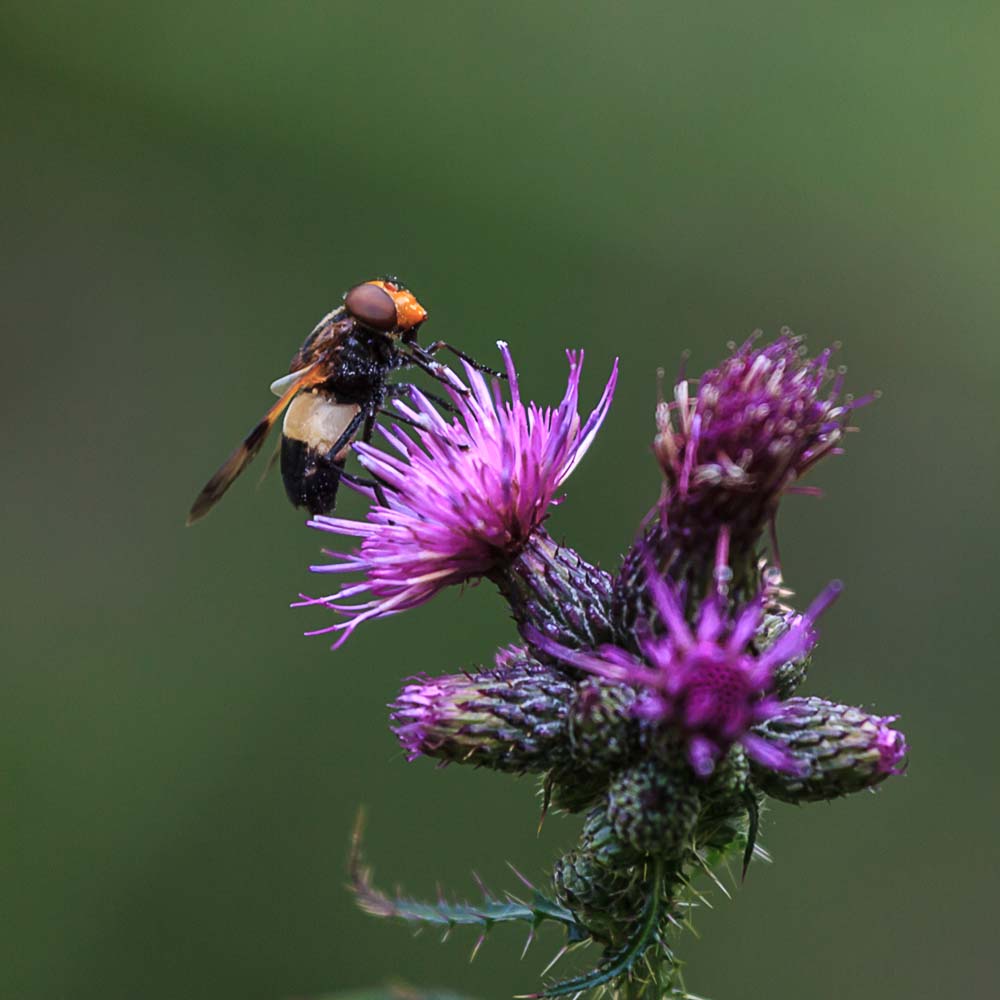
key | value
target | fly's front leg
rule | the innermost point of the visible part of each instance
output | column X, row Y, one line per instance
column 436, row 370
column 399, row 418
column 442, row 345
column 401, row 388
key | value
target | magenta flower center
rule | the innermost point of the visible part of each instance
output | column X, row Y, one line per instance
column 719, row 698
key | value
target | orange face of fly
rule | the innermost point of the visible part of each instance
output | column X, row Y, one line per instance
column 409, row 312
column 385, row 306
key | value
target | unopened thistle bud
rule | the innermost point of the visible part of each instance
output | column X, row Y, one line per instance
column 603, row 735
column 599, row 840
column 511, row 718
column 653, row 807
column 840, row 750
column 602, row 729
column 599, row 880
column 788, row 676
column 607, row 901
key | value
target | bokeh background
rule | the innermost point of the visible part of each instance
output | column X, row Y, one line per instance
column 186, row 188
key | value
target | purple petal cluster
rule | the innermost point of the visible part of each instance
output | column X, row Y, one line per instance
column 891, row 744
column 754, row 426
column 419, row 708
column 463, row 497
column 706, row 682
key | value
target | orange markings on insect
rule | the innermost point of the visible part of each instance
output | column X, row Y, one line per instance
column 409, row 312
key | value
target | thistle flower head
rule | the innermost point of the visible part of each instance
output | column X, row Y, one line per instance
column 463, row 498
column 705, row 682
column 840, row 749
column 511, row 718
column 753, row 427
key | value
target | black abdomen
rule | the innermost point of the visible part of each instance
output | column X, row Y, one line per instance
column 311, row 480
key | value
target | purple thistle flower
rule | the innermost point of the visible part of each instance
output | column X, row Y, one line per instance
column 463, row 499
column 708, row 682
column 754, row 426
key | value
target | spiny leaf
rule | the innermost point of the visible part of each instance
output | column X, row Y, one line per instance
column 448, row 914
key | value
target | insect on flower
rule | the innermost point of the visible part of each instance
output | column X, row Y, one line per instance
column 464, row 499
column 336, row 386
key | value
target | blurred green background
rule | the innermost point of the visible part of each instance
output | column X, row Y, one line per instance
column 187, row 188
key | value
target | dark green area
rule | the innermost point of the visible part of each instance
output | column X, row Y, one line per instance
column 186, row 188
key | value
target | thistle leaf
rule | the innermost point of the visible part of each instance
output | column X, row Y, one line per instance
column 454, row 913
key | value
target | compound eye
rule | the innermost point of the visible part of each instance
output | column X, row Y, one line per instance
column 371, row 306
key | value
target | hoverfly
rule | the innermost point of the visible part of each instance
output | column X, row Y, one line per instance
column 335, row 387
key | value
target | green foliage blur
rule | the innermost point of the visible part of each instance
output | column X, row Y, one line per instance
column 187, row 188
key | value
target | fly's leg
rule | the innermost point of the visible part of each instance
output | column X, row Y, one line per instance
column 346, row 437
column 399, row 418
column 371, row 484
column 436, row 370
column 442, row 345
column 401, row 388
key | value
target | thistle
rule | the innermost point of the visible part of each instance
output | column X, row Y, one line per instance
column 752, row 429
column 661, row 701
column 729, row 450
